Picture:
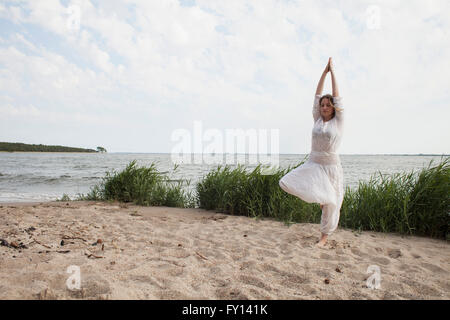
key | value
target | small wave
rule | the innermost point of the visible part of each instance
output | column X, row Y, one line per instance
column 26, row 197
column 81, row 166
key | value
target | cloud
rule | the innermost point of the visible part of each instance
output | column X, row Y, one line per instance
column 160, row 65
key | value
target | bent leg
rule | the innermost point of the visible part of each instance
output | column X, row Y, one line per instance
column 287, row 188
column 283, row 185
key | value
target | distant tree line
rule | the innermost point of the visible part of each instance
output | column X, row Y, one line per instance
column 15, row 146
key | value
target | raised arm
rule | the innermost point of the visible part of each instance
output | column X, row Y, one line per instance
column 337, row 99
column 316, row 107
column 333, row 78
column 322, row 80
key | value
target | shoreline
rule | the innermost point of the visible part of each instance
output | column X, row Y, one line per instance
column 186, row 253
column 281, row 154
column 49, row 152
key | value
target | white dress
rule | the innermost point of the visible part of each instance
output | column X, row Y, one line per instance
column 321, row 178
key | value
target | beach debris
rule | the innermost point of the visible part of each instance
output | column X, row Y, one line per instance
column 180, row 245
column 245, row 235
column 394, row 253
column 112, row 263
column 64, row 243
column 327, row 281
column 99, row 241
column 217, row 217
column 13, row 244
column 93, row 255
column 339, row 269
column 333, row 244
column 4, row 243
column 201, row 256
column 63, row 251
column 30, row 229
column 70, row 237
column 103, row 247
column 44, row 245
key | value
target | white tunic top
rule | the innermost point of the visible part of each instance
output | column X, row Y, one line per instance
column 320, row 178
column 326, row 136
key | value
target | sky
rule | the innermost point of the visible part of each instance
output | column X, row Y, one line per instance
column 134, row 76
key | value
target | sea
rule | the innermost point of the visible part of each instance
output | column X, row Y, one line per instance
column 47, row 176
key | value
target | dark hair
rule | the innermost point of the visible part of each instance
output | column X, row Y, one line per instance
column 329, row 97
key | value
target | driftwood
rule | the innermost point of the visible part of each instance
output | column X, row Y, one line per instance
column 93, row 255
column 44, row 245
column 201, row 256
column 69, row 237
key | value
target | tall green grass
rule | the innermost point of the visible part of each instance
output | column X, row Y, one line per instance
column 143, row 186
column 409, row 203
column 414, row 203
column 239, row 191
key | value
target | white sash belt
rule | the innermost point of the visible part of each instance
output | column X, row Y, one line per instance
column 324, row 157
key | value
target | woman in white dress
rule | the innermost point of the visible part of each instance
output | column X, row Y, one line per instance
column 321, row 178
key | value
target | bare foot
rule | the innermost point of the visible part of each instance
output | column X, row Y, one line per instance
column 322, row 241
column 321, row 244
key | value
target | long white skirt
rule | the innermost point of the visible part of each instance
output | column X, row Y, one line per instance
column 318, row 183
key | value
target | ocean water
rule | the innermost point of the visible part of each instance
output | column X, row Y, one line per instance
column 26, row 177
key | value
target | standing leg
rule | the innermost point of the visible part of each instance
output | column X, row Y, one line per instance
column 331, row 212
column 328, row 222
column 323, row 238
column 330, row 219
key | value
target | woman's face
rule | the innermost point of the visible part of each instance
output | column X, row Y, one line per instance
column 326, row 109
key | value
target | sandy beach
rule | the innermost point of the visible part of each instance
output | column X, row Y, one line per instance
column 130, row 252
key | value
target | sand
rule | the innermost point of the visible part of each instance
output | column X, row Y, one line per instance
column 172, row 253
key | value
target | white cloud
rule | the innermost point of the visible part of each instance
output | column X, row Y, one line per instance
column 234, row 64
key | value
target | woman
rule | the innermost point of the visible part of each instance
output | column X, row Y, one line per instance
column 321, row 178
